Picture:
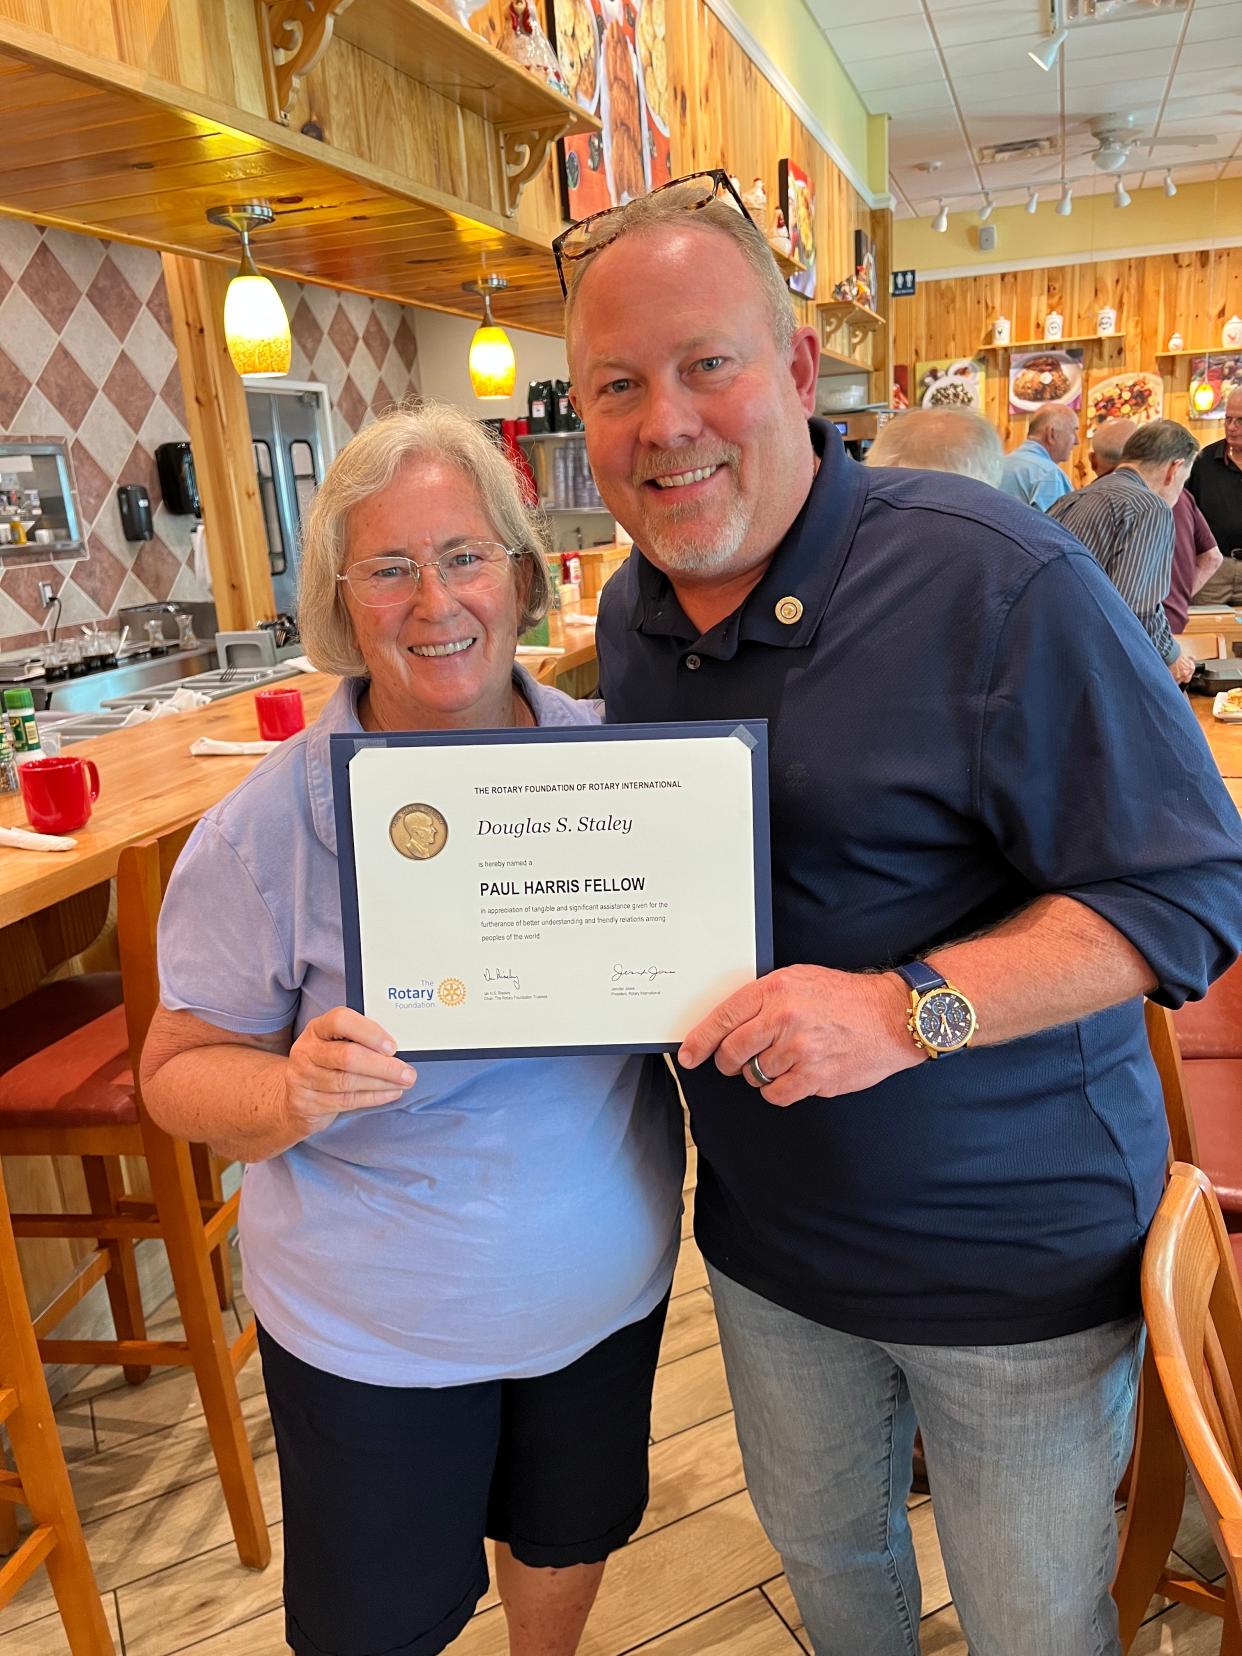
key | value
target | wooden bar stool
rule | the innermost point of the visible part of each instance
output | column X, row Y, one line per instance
column 41, row 1482
column 1194, row 1323
column 80, row 1098
column 1156, row 1490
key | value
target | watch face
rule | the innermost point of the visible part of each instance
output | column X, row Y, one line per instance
column 945, row 1020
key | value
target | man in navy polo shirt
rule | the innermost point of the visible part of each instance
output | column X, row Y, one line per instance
column 932, row 1140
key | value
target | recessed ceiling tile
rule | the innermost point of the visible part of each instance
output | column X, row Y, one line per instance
column 877, row 38
column 1117, row 72
column 909, row 69
column 965, row 25
column 1224, row 56
column 1005, row 57
column 1159, row 31
column 1141, row 97
column 924, row 98
column 832, row 15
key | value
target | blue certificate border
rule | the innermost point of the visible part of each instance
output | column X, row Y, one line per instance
column 754, row 732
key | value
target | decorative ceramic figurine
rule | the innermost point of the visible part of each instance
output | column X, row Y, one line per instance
column 1000, row 330
column 779, row 239
column 1231, row 334
column 1176, row 342
column 756, row 202
column 525, row 42
column 1054, row 325
column 1106, row 321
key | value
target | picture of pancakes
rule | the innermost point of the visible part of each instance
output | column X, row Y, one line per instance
column 623, row 121
column 577, row 47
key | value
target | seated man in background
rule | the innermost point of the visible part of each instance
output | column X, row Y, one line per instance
column 1032, row 473
column 1196, row 558
column 941, row 439
column 1216, row 484
column 1126, row 520
column 1107, row 442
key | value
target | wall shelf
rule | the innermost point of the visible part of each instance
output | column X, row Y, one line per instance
column 1052, row 344
column 840, row 313
column 1204, row 351
column 788, row 267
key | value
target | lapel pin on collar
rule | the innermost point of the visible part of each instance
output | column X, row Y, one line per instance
column 789, row 610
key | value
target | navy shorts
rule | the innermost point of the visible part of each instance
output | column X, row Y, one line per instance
column 388, row 1491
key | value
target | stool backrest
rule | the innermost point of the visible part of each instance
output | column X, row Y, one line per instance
column 1194, row 1323
column 1165, row 1050
column 142, row 876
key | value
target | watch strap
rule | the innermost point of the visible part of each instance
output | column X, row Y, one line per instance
column 920, row 977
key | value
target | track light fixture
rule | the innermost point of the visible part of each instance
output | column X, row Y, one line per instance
column 256, row 325
column 1032, row 199
column 988, row 208
column 1046, row 55
column 1065, row 206
column 1170, row 188
column 1121, row 196
column 941, row 221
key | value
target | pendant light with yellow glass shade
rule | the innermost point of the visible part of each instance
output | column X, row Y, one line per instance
column 256, row 326
column 493, row 366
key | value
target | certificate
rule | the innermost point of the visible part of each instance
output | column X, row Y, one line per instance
column 561, row 890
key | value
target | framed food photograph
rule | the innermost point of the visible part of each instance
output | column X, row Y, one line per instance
column 1040, row 378
column 951, row 382
column 1131, row 396
column 615, row 60
column 1212, row 378
column 864, row 268
column 798, row 206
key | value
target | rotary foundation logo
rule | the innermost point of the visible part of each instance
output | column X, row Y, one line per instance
column 451, row 992
column 419, row 832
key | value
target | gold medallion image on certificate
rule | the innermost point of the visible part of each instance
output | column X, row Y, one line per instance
column 418, row 832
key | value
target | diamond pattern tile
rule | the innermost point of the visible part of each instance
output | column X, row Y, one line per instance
column 50, row 287
column 88, row 354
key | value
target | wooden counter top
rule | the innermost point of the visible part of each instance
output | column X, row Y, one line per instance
column 150, row 785
column 1225, row 740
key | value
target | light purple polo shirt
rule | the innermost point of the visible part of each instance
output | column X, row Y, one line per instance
column 500, row 1219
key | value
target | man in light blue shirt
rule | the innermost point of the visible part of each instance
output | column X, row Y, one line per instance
column 1032, row 473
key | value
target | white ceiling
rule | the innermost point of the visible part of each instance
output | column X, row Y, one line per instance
column 954, row 75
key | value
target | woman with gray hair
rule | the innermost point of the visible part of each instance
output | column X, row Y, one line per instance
column 460, row 1276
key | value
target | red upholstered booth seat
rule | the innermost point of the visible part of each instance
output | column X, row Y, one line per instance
column 1209, row 1033
column 81, row 1078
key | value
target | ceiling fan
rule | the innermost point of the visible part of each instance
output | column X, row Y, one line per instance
column 1116, row 137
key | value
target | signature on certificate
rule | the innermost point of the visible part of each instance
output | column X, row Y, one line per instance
column 647, row 973
column 501, row 974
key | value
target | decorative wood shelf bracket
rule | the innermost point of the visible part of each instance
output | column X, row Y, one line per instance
column 293, row 36
column 524, row 147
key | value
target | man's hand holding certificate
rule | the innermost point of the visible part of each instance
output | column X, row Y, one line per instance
column 554, row 890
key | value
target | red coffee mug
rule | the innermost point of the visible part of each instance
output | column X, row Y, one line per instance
column 281, row 712
column 58, row 793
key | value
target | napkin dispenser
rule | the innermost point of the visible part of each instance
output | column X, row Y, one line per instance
column 1211, row 677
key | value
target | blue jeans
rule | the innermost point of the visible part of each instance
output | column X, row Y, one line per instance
column 1025, row 1446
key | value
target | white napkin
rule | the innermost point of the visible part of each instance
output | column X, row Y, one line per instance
column 569, row 619
column 537, row 652
column 25, row 839
column 210, row 744
column 304, row 664
column 181, row 701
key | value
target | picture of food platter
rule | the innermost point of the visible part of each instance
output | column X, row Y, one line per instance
column 615, row 60
column 798, row 205
column 1212, row 378
column 1136, row 396
column 952, row 383
column 1037, row 379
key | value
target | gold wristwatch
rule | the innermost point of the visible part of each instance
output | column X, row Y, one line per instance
column 941, row 1019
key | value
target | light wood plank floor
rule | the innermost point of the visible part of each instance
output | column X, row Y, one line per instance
column 700, row 1577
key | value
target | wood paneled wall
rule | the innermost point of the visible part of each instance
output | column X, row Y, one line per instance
column 1192, row 293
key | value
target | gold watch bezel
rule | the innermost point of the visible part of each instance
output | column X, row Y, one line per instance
column 917, row 1002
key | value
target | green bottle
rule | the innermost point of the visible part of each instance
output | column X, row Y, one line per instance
column 23, row 728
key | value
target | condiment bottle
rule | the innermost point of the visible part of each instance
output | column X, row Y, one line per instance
column 23, row 727
column 8, row 764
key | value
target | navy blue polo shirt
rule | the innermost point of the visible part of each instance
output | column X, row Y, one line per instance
column 965, row 716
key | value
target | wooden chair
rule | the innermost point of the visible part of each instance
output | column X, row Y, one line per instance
column 553, row 670
column 1156, row 1482
column 41, row 1482
column 80, row 1098
column 1194, row 1326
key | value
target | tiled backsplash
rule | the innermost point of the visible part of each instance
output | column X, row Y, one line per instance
column 86, row 352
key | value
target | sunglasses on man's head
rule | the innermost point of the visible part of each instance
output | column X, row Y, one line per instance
column 597, row 230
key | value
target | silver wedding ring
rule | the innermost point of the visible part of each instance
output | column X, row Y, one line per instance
column 757, row 1073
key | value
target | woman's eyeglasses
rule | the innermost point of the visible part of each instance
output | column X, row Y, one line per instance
column 695, row 189
column 470, row 566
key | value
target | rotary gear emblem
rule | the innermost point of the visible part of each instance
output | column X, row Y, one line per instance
column 452, row 992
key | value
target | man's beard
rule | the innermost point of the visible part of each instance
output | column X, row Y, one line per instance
column 669, row 531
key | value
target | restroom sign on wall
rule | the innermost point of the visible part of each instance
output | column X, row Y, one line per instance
column 904, row 283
